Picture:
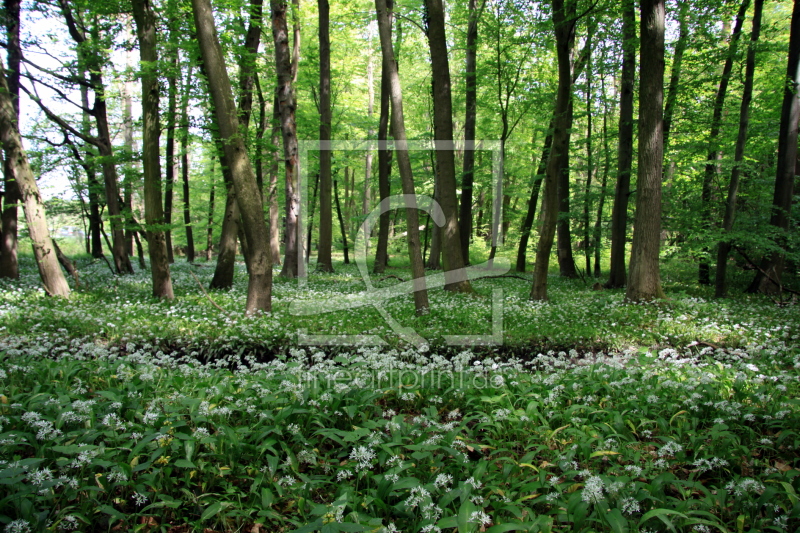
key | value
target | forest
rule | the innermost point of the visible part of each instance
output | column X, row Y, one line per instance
column 483, row 266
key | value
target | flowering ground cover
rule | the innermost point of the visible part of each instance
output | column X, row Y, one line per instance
column 122, row 413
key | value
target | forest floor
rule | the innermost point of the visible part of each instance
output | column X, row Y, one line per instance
column 120, row 412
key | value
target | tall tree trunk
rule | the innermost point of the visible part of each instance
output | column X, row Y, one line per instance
column 741, row 142
column 93, row 186
column 774, row 263
column 434, row 261
column 9, row 267
column 587, row 250
column 366, row 206
column 55, row 284
column 187, row 219
column 171, row 160
column 455, row 276
column 384, row 168
column 324, row 262
column 714, row 154
column 645, row 278
column 310, row 230
column 259, row 290
column 536, row 187
column 274, row 211
column 619, row 213
column 342, row 227
column 598, row 223
column 403, row 162
column 151, row 160
column 675, row 74
column 470, row 119
column 210, row 225
column 229, row 233
column 128, row 170
column 286, row 104
column 558, row 161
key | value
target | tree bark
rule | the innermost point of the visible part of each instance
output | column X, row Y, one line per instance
column 536, row 188
column 210, row 225
column 9, row 266
column 274, row 211
column 452, row 260
column 598, row 223
column 714, row 154
column 675, row 74
column 724, row 248
column 645, row 278
column 187, row 219
column 286, row 104
column 403, row 162
column 93, row 186
column 324, row 261
column 587, row 232
column 384, row 168
column 259, row 289
column 171, row 161
column 619, row 213
column 55, row 284
column 774, row 263
column 342, row 227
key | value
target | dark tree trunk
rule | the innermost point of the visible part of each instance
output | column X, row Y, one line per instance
column 598, row 224
column 171, row 160
column 210, row 225
column 714, row 154
column 187, row 218
column 9, row 267
column 530, row 215
column 619, row 213
column 741, row 141
column 94, row 187
column 384, row 170
column 645, row 278
column 587, row 202
column 342, row 228
column 675, row 74
column 151, row 160
column 774, row 264
column 274, row 211
column 324, row 262
column 226, row 251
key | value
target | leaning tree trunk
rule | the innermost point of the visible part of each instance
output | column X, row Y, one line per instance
column 384, row 169
column 714, row 154
column 324, row 262
column 403, row 161
column 774, row 264
column 55, row 284
column 9, row 267
column 559, row 154
column 151, row 161
column 286, row 105
column 645, row 279
column 741, row 140
column 619, row 213
column 453, row 262
column 259, row 290
column 530, row 215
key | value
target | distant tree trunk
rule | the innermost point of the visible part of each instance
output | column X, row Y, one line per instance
column 210, row 225
column 563, row 19
column 128, row 170
column 536, row 187
column 187, row 219
column 274, row 212
column 434, row 260
column 171, row 161
column 151, row 160
column 598, row 224
column 470, row 119
column 587, row 202
column 645, row 278
column 55, row 284
column 286, row 104
column 384, row 168
column 404, row 163
column 226, row 251
column 342, row 227
column 714, row 154
column 741, row 142
column 9, row 267
column 366, row 206
column 456, row 279
column 675, row 74
column 93, row 186
column 774, row 264
column 324, row 261
column 619, row 213
column 310, row 230
column 259, row 290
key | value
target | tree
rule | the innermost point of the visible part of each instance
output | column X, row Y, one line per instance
column 645, row 278
column 324, row 263
column 403, row 162
column 184, row 135
column 259, row 290
column 455, row 276
column 9, row 267
column 619, row 213
column 536, row 187
column 384, row 164
column 55, row 284
column 775, row 262
column 151, row 160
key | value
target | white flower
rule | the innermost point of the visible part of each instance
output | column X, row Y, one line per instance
column 479, row 517
column 18, row 526
column 139, row 498
column 475, row 484
column 592, row 490
column 442, row 481
column 68, row 523
column 344, row 474
column 364, row 456
column 630, row 506
column 417, row 496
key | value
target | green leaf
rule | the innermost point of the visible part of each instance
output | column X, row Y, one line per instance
column 184, row 463
column 663, row 515
column 213, row 510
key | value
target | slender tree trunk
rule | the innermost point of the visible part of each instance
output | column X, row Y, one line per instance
column 598, row 224
column 151, row 160
column 259, row 289
column 171, row 160
column 774, row 264
column 286, row 104
column 645, row 279
column 9, row 267
column 310, row 230
column 558, row 161
column 587, row 202
column 128, row 170
column 455, row 276
column 55, row 284
column 403, row 162
column 367, row 197
column 274, row 212
column 226, row 251
column 536, row 187
column 619, row 213
column 714, row 154
column 675, row 74
column 93, row 186
column 210, row 225
column 324, row 262
column 342, row 227
column 434, row 261
column 470, row 119
column 741, row 142
column 384, row 169
column 187, row 219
